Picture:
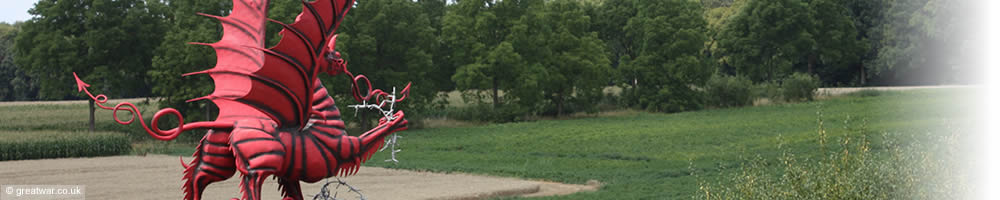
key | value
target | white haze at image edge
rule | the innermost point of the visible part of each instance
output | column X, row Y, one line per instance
column 989, row 169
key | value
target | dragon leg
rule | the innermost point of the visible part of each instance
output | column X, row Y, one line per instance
column 258, row 154
column 290, row 189
column 213, row 161
column 250, row 185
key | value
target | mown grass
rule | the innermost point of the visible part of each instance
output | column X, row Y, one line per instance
column 651, row 156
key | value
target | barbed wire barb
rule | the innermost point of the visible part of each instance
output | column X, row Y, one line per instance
column 324, row 193
column 387, row 113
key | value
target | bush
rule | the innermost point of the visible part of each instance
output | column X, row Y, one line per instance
column 728, row 91
column 487, row 113
column 39, row 145
column 799, row 87
column 770, row 90
column 667, row 99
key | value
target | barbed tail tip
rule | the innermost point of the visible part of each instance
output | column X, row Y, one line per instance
column 405, row 93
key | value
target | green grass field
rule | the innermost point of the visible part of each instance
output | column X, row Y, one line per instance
column 40, row 120
column 647, row 156
column 635, row 156
column 63, row 117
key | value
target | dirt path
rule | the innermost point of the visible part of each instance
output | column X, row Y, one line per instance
column 159, row 177
column 845, row 90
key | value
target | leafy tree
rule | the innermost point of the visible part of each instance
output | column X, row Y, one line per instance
column 671, row 35
column 717, row 15
column 441, row 76
column 867, row 16
column 108, row 42
column 496, row 71
column 564, row 60
column 16, row 85
column 393, row 43
column 766, row 38
column 476, row 30
column 175, row 56
column 837, row 46
column 712, row 4
column 609, row 21
column 921, row 41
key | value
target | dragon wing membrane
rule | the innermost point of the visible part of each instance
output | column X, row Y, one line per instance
column 274, row 83
column 235, row 58
column 295, row 59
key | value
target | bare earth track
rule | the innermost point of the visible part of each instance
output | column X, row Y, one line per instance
column 846, row 90
column 159, row 177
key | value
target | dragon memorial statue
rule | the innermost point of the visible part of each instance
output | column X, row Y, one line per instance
column 275, row 117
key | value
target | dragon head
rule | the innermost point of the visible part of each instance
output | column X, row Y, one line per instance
column 334, row 64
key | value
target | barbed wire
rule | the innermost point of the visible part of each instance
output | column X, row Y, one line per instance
column 390, row 100
column 324, row 193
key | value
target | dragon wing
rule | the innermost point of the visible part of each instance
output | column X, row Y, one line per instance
column 274, row 83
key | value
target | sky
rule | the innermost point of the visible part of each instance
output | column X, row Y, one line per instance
column 15, row 10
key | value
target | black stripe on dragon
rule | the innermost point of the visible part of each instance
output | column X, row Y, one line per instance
column 275, row 117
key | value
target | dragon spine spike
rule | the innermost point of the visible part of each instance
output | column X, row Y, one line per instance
column 209, row 15
column 199, row 98
column 298, row 34
column 201, row 43
column 182, row 162
column 197, row 72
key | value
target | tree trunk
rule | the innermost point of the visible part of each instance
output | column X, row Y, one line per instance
column 812, row 63
column 92, row 109
column 363, row 119
column 559, row 106
column 496, row 92
column 862, row 78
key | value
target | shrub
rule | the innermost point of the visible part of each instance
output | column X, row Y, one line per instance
column 769, row 89
column 669, row 99
column 487, row 113
column 800, row 86
column 39, row 145
column 729, row 91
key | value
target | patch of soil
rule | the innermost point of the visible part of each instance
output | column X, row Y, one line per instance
column 159, row 177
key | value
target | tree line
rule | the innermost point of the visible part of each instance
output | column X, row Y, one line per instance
column 512, row 57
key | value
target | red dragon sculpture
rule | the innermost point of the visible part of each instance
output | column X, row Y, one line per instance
column 275, row 117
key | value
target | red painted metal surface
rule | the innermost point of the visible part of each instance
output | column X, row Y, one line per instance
column 275, row 117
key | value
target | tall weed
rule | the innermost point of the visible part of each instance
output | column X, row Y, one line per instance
column 898, row 167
